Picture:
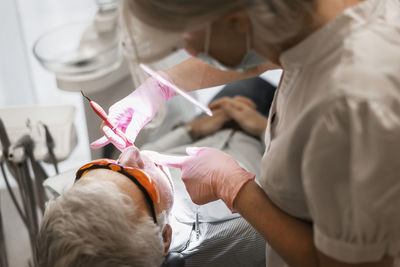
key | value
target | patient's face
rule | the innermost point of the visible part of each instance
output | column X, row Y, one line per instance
column 131, row 157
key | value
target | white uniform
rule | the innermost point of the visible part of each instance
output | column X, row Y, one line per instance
column 333, row 139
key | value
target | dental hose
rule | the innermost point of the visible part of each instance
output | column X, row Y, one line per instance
column 24, row 211
column 32, row 195
column 12, row 195
column 50, row 147
column 3, row 250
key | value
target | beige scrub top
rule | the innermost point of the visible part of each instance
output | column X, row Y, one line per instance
column 333, row 140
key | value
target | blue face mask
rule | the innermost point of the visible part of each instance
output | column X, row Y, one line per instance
column 250, row 59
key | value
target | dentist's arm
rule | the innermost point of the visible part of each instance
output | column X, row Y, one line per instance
column 291, row 238
column 210, row 174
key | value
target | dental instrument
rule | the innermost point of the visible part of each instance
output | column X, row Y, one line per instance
column 103, row 115
column 164, row 81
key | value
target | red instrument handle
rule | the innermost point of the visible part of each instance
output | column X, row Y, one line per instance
column 103, row 115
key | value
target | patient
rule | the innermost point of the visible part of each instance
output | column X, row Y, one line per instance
column 106, row 219
column 113, row 216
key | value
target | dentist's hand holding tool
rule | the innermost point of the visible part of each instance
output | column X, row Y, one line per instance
column 208, row 173
column 132, row 113
column 106, row 121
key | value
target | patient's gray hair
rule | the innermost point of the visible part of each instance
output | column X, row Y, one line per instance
column 88, row 226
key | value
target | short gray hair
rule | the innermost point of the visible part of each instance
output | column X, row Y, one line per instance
column 88, row 226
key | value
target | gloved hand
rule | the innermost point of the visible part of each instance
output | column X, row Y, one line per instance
column 208, row 173
column 133, row 112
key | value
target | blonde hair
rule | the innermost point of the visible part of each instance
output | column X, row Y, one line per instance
column 280, row 20
column 178, row 15
column 277, row 20
column 181, row 15
column 87, row 226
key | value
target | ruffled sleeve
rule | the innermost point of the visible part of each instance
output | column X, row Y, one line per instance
column 351, row 179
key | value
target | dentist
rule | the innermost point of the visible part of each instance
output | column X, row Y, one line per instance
column 329, row 193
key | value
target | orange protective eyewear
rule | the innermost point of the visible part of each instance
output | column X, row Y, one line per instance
column 143, row 181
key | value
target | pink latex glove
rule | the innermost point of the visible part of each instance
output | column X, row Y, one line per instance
column 208, row 173
column 131, row 113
